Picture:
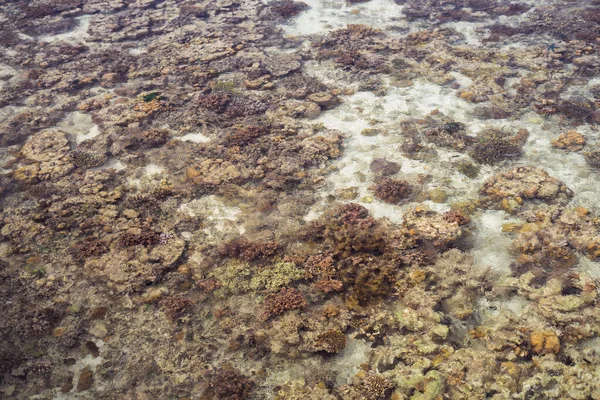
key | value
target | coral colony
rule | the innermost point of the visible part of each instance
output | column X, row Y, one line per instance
column 300, row 200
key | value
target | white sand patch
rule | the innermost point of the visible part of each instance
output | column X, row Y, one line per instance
column 136, row 51
column 463, row 80
column 79, row 126
column 327, row 15
column 469, row 30
column 353, row 168
column 7, row 74
column 221, row 218
column 491, row 247
column 77, row 35
column 569, row 167
column 113, row 163
column 153, row 169
column 92, row 133
column 88, row 362
column 347, row 363
column 591, row 268
column 489, row 311
column 194, row 137
column 9, row 112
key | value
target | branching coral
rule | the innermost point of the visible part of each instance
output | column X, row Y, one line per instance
column 346, row 230
column 332, row 341
column 215, row 101
column 144, row 238
column 392, row 191
column 367, row 386
column 89, row 247
column 247, row 250
column 175, row 306
column 288, row 8
column 278, row 303
column 228, row 383
column 275, row 276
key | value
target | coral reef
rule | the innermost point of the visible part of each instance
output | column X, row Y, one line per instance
column 278, row 303
column 512, row 189
column 229, row 384
column 392, row 191
column 287, row 8
column 269, row 200
column 571, row 140
column 332, row 341
column 346, row 230
column 494, row 146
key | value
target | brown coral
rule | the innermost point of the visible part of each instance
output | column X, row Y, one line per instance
column 392, row 191
column 346, row 230
column 228, row 383
column 383, row 167
column 175, row 306
column 288, row 8
column 367, row 386
column 215, row 101
column 319, row 265
column 247, row 250
column 332, row 341
column 145, row 238
column 243, row 135
column 457, row 216
column 278, row 303
column 328, row 285
column 495, row 145
column 86, row 159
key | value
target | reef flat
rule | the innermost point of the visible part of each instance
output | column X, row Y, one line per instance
column 317, row 200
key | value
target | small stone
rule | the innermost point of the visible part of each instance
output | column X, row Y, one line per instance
column 347, row 194
column 85, row 380
column 440, row 331
column 131, row 214
column 184, row 270
column 510, row 205
column 312, row 111
column 438, row 195
column 382, row 167
column 545, row 342
column 323, row 99
column 153, row 295
column 66, row 388
column 299, row 93
column 99, row 330
column 253, row 84
column 370, row 132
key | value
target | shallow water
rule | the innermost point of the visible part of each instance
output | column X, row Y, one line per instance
column 279, row 200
